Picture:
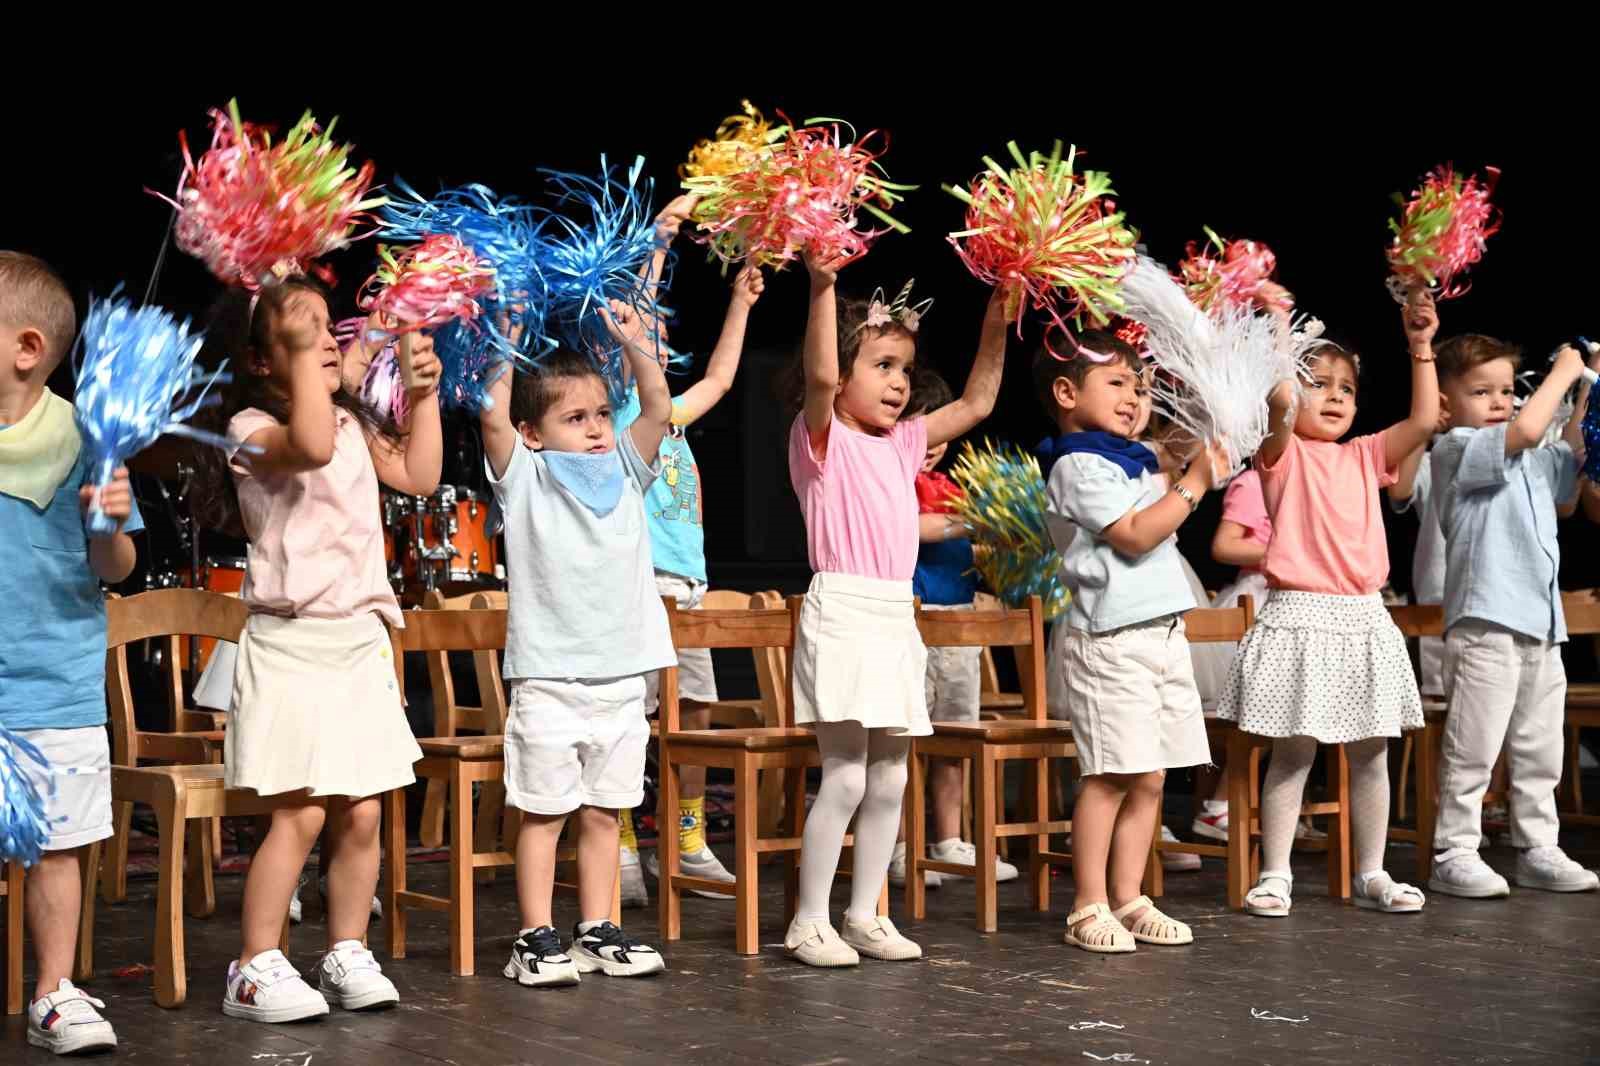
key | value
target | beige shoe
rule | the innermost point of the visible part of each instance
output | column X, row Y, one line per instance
column 879, row 939
column 816, row 944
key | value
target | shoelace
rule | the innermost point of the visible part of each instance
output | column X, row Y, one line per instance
column 542, row 943
column 609, row 936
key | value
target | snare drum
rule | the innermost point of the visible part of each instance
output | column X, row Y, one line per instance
column 457, row 519
column 224, row 575
column 399, row 562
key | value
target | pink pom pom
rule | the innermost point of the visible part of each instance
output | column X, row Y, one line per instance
column 428, row 284
column 252, row 210
column 1442, row 231
column 1234, row 273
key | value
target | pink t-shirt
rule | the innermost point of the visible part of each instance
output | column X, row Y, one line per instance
column 860, row 503
column 316, row 537
column 1327, row 521
column 1244, row 505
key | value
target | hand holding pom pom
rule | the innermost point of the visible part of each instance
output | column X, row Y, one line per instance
column 748, row 287
column 1421, row 316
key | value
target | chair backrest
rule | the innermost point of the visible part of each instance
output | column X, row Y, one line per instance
column 1220, row 625
column 1418, row 620
column 756, row 628
column 1582, row 610
column 1022, row 629
column 162, row 615
column 725, row 600
column 772, row 665
column 492, row 708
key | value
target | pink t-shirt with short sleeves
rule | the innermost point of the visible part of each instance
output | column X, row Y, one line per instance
column 1327, row 519
column 316, row 537
column 860, row 501
column 1244, row 505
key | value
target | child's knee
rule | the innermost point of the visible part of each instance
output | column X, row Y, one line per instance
column 363, row 818
column 304, row 821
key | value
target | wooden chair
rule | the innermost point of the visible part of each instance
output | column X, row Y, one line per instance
column 1203, row 625
column 1582, row 609
column 460, row 762
column 735, row 714
column 183, row 796
column 1032, row 738
column 1422, row 752
column 11, row 889
column 766, row 627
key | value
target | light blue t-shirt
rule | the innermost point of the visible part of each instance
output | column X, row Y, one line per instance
column 1499, row 521
column 1110, row 590
column 672, row 506
column 53, row 627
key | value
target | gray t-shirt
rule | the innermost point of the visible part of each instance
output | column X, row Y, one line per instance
column 1428, row 562
column 582, row 588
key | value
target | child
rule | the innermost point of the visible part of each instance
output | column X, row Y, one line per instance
column 944, row 580
column 859, row 663
column 1414, row 490
column 52, row 657
column 315, row 709
column 1324, row 661
column 674, row 507
column 1123, row 654
column 1498, row 491
column 586, row 628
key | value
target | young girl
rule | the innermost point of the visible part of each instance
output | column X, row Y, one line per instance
column 1324, row 662
column 315, row 709
column 859, row 661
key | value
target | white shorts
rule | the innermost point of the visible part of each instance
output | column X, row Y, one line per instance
column 1133, row 701
column 577, row 743
column 79, row 811
column 952, row 678
column 696, row 680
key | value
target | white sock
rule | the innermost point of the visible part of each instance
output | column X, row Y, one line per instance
column 584, row 927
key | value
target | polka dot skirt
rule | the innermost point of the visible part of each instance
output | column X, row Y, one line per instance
column 1324, row 666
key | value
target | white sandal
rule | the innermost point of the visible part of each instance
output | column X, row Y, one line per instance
column 1266, row 900
column 1391, row 894
column 1153, row 927
column 1102, row 934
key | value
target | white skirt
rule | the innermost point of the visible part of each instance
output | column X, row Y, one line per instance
column 1319, row 665
column 859, row 657
column 316, row 707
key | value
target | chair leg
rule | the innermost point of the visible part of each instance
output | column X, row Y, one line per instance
column 114, row 869
column 669, row 895
column 916, row 820
column 88, row 864
column 172, row 975
column 983, row 839
column 462, row 887
column 1038, row 870
column 746, row 871
column 1238, row 770
column 200, row 895
column 1575, row 769
column 1339, row 873
column 14, row 876
column 430, row 832
column 1427, row 798
column 491, row 809
column 770, row 804
column 795, row 819
column 394, row 865
column 1155, row 885
column 1407, row 750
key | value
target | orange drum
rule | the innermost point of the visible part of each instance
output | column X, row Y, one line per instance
column 457, row 519
column 225, row 575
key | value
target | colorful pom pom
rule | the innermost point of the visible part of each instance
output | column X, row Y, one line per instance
column 1003, row 503
column 252, row 210
column 136, row 380
column 802, row 194
column 1233, row 273
column 24, row 825
column 1441, row 232
column 729, row 150
column 1050, row 231
column 428, row 284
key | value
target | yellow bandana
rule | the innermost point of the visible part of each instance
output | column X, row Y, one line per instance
column 37, row 454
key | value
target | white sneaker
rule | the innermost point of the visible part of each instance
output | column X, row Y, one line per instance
column 816, row 944
column 703, row 863
column 964, row 851
column 607, row 948
column 268, row 989
column 1462, row 872
column 1180, row 861
column 296, row 908
column 1211, row 822
column 879, row 939
column 352, row 978
column 633, row 890
column 537, row 960
column 1549, row 868
column 897, row 869
column 67, row 1022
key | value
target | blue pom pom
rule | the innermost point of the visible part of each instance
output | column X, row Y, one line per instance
column 136, row 380
column 24, row 828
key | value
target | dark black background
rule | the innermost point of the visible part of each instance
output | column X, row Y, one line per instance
column 1308, row 166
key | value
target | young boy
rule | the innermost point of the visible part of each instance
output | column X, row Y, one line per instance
column 944, row 580
column 586, row 627
column 1498, row 491
column 1130, row 684
column 53, row 651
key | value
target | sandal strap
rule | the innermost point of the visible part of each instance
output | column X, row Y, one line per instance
column 1263, row 888
column 1090, row 911
column 1133, row 905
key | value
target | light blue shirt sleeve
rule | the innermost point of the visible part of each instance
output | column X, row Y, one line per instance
column 1557, row 464
column 1483, row 458
column 1099, row 493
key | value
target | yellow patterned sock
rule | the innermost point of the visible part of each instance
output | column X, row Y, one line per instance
column 691, row 825
column 625, row 835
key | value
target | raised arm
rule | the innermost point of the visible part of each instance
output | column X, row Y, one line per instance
column 983, row 381
column 414, row 467
column 1421, row 319
column 1528, row 428
column 820, row 356
column 655, row 401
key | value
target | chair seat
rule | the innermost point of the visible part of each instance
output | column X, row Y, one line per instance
column 463, row 747
column 1005, row 731
column 1585, row 695
column 771, row 738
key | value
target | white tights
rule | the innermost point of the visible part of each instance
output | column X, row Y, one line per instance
column 1285, row 784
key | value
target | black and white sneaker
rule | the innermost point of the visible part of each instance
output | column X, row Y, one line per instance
column 537, row 960
column 605, row 947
